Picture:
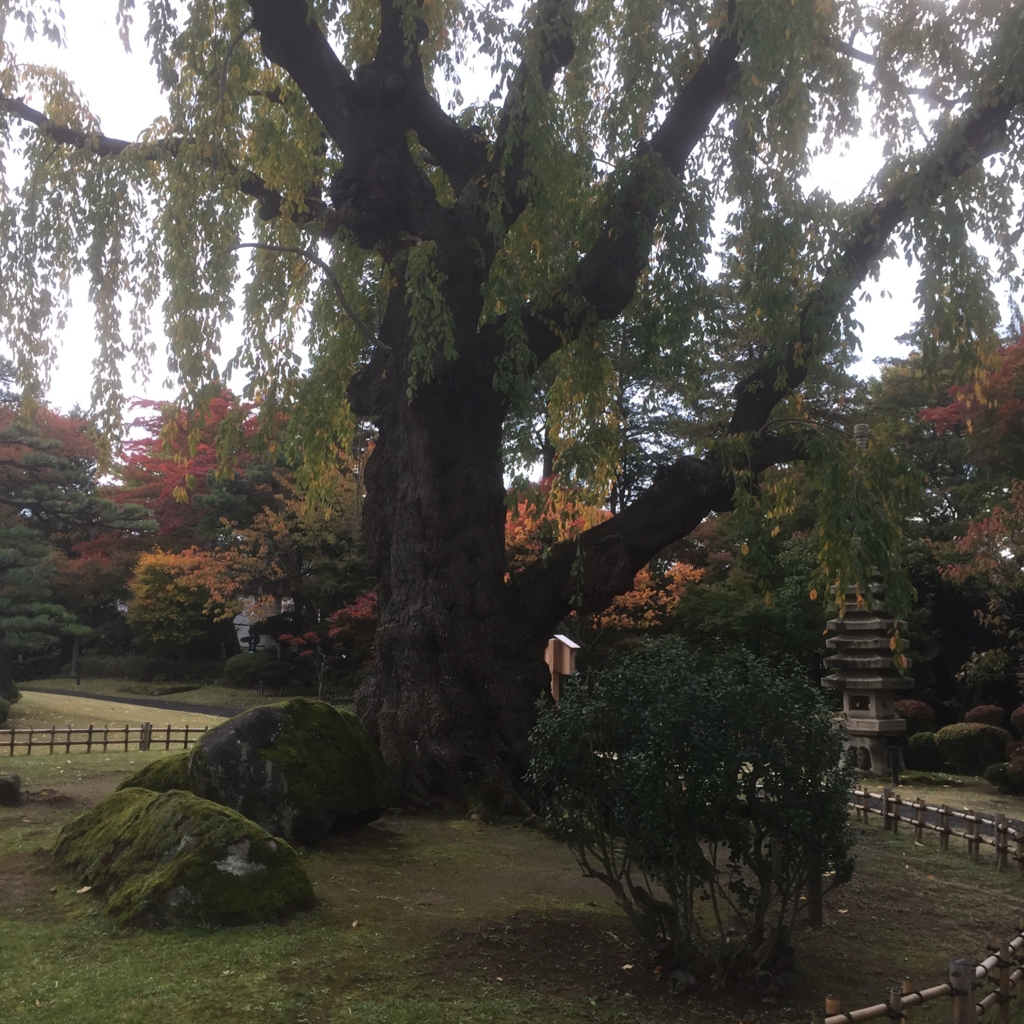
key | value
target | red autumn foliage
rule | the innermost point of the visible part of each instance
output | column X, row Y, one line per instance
column 989, row 714
column 174, row 457
column 920, row 717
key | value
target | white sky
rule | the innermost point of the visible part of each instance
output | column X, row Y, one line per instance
column 121, row 89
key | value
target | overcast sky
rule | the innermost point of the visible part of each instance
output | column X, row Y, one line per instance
column 121, row 89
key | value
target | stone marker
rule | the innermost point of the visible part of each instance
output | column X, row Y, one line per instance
column 10, row 790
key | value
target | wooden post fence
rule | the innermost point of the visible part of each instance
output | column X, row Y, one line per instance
column 92, row 738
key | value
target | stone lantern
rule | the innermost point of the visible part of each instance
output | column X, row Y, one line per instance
column 862, row 668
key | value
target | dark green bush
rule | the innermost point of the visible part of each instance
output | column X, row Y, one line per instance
column 968, row 748
column 999, row 775
column 922, row 753
column 247, row 670
column 710, row 780
column 5, row 710
column 1015, row 771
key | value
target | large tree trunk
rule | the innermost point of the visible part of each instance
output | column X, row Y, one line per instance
column 458, row 670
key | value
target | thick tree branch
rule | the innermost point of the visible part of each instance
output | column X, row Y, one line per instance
column 588, row 573
column 964, row 144
column 549, row 48
column 460, row 152
column 290, row 38
column 317, row 215
column 605, row 278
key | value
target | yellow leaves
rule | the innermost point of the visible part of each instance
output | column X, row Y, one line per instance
column 892, row 643
column 744, row 548
column 813, row 595
column 901, row 660
column 755, row 80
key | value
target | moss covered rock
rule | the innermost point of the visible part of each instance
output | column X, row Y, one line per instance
column 169, row 772
column 162, row 859
column 297, row 768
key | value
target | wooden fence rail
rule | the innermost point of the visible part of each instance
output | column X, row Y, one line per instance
column 977, row 830
column 964, row 978
column 61, row 740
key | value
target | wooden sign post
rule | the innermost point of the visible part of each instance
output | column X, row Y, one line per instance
column 561, row 659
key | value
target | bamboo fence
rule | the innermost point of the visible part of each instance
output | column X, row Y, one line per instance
column 964, row 977
column 977, row 830
column 62, row 740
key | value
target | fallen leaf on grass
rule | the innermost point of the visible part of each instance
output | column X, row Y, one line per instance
column 627, row 967
column 499, row 979
column 85, row 888
column 843, row 910
column 355, row 924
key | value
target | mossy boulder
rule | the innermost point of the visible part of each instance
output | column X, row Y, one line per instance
column 297, row 768
column 169, row 772
column 168, row 859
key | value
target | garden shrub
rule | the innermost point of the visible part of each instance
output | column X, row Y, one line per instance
column 668, row 772
column 1017, row 720
column 968, row 748
column 247, row 670
column 5, row 710
column 922, row 753
column 989, row 714
column 999, row 775
column 919, row 716
column 1015, row 771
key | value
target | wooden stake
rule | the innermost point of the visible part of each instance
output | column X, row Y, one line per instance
column 832, row 1006
column 886, row 799
column 895, row 811
column 895, row 1002
column 919, row 804
column 961, row 982
column 907, row 989
column 1004, row 981
column 1002, row 840
column 943, row 826
column 88, row 740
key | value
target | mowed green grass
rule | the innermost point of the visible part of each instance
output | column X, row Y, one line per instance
column 43, row 710
column 426, row 918
column 204, row 694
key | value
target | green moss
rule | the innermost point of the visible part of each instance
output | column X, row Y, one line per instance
column 174, row 859
column 168, row 773
column 325, row 750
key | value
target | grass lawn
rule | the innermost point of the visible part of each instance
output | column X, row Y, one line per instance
column 437, row 919
column 206, row 693
column 958, row 792
column 41, row 710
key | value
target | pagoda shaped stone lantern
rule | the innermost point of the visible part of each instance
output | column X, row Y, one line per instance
column 862, row 668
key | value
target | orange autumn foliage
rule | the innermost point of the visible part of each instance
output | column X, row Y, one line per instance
column 651, row 602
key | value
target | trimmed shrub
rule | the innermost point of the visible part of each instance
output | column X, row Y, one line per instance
column 1017, row 720
column 1015, row 771
column 968, row 748
column 920, row 717
column 922, row 753
column 989, row 714
column 5, row 710
column 999, row 775
column 246, row 670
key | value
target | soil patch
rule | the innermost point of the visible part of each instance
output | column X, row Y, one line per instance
column 27, row 886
